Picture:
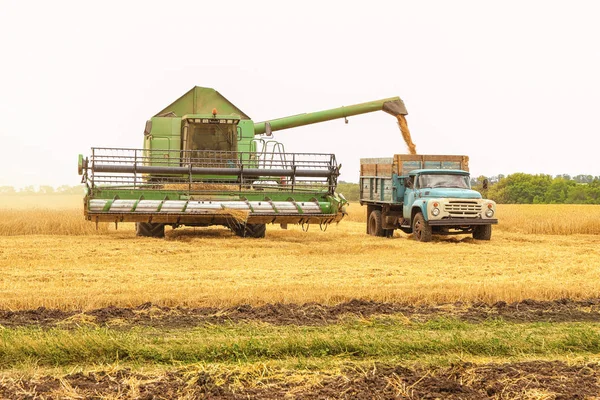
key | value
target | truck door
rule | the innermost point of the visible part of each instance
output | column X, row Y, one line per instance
column 409, row 195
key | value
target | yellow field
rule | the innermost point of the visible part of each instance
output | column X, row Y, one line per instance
column 545, row 219
column 50, row 257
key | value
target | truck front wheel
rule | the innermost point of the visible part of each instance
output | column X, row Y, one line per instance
column 482, row 232
column 421, row 228
column 376, row 224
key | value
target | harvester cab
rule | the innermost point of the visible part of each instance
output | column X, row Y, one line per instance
column 204, row 162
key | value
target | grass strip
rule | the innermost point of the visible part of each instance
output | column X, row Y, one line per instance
column 352, row 340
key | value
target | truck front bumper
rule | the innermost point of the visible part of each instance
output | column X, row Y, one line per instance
column 462, row 221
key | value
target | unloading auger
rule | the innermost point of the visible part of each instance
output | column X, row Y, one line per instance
column 205, row 162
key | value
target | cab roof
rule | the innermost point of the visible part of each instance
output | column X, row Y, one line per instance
column 201, row 101
column 438, row 171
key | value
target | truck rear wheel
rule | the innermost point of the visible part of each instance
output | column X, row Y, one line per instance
column 421, row 228
column 376, row 224
column 482, row 232
column 146, row 229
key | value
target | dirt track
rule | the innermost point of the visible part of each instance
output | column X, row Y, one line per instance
column 529, row 380
column 547, row 380
column 308, row 314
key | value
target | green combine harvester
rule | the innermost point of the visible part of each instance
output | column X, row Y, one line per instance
column 205, row 162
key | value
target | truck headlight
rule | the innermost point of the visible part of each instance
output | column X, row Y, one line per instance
column 489, row 213
column 435, row 212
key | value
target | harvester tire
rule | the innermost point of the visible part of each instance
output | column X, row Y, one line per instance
column 146, row 229
column 421, row 228
column 482, row 232
column 250, row 230
column 376, row 224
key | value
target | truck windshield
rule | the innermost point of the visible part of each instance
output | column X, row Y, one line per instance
column 443, row 180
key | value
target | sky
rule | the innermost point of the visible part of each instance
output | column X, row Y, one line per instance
column 515, row 85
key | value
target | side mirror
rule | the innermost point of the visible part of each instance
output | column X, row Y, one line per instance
column 485, row 184
column 408, row 182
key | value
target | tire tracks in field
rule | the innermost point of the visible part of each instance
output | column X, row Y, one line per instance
column 309, row 314
column 529, row 379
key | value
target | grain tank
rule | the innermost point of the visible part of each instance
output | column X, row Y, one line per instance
column 205, row 162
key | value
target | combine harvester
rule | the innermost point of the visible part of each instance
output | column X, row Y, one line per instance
column 205, row 162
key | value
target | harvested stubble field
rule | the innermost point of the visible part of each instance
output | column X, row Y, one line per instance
column 335, row 314
column 55, row 259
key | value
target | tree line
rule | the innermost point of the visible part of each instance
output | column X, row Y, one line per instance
column 516, row 188
column 523, row 188
column 43, row 189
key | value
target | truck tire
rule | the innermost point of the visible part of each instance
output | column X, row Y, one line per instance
column 145, row 229
column 250, row 230
column 482, row 232
column 421, row 228
column 376, row 224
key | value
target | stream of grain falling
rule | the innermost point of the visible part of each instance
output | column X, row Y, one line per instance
column 406, row 134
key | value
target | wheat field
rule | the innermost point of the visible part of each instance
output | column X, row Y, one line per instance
column 51, row 257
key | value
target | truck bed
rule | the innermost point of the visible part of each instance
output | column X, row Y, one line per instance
column 377, row 174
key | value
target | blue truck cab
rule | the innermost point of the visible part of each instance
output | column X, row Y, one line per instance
column 424, row 195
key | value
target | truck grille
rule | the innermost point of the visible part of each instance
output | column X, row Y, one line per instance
column 463, row 208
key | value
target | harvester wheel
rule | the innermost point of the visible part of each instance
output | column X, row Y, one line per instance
column 250, row 230
column 375, row 224
column 146, row 229
column 421, row 228
column 482, row 232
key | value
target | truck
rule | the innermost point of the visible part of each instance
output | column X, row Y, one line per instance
column 423, row 195
column 205, row 162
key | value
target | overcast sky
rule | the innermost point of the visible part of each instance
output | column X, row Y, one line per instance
column 514, row 84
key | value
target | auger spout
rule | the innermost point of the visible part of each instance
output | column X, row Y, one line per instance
column 393, row 105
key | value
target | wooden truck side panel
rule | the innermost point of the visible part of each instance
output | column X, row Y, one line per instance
column 404, row 163
column 376, row 180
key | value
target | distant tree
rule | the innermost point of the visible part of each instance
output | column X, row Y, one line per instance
column 593, row 191
column 477, row 184
column 351, row 191
column 46, row 190
column 7, row 190
column 583, row 178
column 66, row 189
column 27, row 190
column 577, row 195
column 523, row 188
column 558, row 191
column 497, row 192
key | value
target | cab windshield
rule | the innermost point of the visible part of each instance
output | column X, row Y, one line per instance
column 212, row 137
column 443, row 180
